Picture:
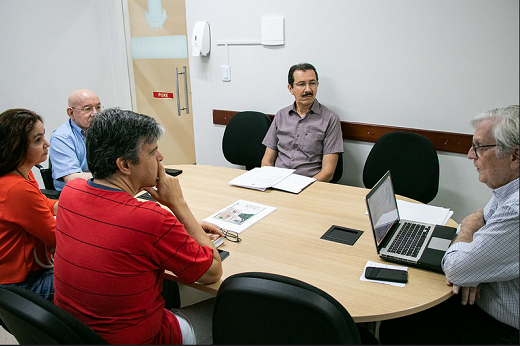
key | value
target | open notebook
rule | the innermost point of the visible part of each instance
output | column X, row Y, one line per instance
column 262, row 178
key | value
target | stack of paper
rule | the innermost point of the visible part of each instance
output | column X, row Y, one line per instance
column 262, row 178
column 423, row 213
column 240, row 215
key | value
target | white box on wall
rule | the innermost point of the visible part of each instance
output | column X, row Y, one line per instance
column 273, row 31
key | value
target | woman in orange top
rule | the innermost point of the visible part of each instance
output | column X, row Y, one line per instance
column 27, row 224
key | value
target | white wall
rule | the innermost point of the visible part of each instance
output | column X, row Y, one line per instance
column 429, row 64
column 53, row 47
column 413, row 63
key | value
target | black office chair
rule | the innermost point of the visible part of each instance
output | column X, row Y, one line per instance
column 412, row 160
column 263, row 308
column 46, row 174
column 242, row 140
column 34, row 320
column 339, row 170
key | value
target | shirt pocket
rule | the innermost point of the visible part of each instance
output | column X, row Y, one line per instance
column 312, row 144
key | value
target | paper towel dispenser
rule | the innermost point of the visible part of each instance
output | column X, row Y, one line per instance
column 201, row 39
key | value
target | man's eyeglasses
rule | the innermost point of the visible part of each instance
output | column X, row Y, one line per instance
column 231, row 236
column 476, row 147
column 89, row 109
column 312, row 84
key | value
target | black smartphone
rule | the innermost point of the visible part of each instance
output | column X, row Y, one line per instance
column 385, row 274
column 223, row 254
column 173, row 171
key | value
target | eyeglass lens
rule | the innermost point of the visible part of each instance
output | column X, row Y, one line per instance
column 89, row 109
column 476, row 147
column 311, row 84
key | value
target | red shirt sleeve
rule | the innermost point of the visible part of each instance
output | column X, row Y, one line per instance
column 176, row 251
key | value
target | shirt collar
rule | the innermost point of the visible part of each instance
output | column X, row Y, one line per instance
column 76, row 128
column 102, row 187
column 503, row 192
column 315, row 108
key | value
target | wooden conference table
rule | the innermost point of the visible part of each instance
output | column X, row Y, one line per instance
column 287, row 242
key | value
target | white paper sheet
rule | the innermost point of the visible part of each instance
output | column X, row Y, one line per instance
column 294, row 183
column 423, row 213
column 261, row 178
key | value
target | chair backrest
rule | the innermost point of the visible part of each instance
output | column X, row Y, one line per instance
column 33, row 319
column 242, row 140
column 46, row 174
column 339, row 169
column 412, row 160
column 263, row 308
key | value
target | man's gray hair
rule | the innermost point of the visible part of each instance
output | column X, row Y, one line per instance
column 118, row 133
column 505, row 129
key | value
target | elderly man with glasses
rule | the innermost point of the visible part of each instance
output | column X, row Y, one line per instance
column 67, row 150
column 482, row 261
column 305, row 136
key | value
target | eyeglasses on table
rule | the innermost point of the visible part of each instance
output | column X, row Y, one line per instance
column 231, row 235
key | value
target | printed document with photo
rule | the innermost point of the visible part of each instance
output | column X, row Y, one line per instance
column 240, row 215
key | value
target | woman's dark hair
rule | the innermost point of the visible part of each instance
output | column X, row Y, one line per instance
column 301, row 67
column 115, row 133
column 15, row 126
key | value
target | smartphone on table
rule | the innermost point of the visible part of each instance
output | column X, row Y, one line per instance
column 385, row 274
column 172, row 171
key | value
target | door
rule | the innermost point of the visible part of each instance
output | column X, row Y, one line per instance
column 159, row 57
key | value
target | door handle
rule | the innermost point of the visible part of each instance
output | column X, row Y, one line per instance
column 186, row 108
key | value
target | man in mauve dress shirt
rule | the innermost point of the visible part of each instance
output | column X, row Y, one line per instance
column 482, row 261
column 305, row 136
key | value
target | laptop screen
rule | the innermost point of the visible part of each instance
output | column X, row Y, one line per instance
column 382, row 207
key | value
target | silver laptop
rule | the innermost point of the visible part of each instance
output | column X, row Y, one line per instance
column 402, row 241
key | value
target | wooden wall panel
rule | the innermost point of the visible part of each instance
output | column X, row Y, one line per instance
column 443, row 141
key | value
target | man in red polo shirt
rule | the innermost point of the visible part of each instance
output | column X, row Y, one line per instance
column 112, row 250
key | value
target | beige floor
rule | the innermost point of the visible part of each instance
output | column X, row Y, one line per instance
column 188, row 296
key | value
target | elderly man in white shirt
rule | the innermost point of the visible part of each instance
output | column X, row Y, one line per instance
column 482, row 262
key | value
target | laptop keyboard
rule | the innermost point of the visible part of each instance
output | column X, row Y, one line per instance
column 409, row 239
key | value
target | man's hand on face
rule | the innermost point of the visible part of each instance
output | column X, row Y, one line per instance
column 167, row 190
